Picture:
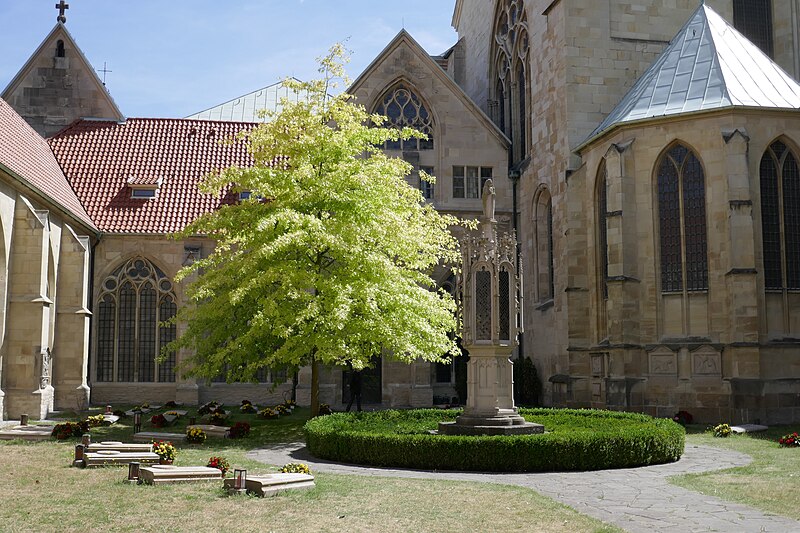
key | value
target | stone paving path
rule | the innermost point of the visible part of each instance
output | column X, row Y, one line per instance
column 635, row 499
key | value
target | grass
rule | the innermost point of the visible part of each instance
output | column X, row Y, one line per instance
column 42, row 492
column 769, row 483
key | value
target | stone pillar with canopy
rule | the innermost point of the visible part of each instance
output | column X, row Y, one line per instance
column 490, row 311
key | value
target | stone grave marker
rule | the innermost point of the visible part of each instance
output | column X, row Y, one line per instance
column 114, row 458
column 748, row 428
column 119, row 447
column 211, row 430
column 170, row 418
column 163, row 474
column 272, row 484
column 150, row 436
column 36, row 432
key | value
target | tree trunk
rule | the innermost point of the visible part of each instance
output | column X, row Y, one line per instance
column 314, row 384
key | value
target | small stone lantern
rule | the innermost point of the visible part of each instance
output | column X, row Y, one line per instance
column 491, row 313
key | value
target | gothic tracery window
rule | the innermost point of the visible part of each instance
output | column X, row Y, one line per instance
column 780, row 217
column 510, row 66
column 134, row 301
column 404, row 108
column 753, row 18
column 682, row 221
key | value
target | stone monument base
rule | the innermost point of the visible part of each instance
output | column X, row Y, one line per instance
column 504, row 422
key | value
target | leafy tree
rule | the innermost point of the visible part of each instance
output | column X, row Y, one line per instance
column 330, row 260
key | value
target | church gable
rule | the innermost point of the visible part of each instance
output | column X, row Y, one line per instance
column 404, row 62
column 58, row 85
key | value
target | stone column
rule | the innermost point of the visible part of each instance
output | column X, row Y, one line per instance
column 71, row 344
column 576, row 295
column 7, row 196
column 623, row 310
column 741, row 360
column 28, row 388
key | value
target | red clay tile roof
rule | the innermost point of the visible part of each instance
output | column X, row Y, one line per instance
column 26, row 154
column 100, row 157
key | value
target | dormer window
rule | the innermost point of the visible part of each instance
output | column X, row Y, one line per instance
column 245, row 195
column 144, row 187
column 143, row 193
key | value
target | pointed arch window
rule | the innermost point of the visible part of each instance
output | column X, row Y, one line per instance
column 510, row 53
column 545, row 272
column 404, row 108
column 682, row 221
column 134, row 302
column 780, row 217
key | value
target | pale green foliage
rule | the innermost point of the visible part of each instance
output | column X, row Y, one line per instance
column 334, row 264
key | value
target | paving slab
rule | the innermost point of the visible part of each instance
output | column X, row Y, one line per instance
column 613, row 496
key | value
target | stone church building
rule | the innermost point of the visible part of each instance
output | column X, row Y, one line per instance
column 645, row 152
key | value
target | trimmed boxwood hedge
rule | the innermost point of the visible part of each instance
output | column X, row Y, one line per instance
column 575, row 439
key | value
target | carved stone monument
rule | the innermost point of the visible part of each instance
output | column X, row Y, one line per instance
column 490, row 313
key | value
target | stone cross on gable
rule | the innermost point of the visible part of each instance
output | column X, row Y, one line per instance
column 62, row 6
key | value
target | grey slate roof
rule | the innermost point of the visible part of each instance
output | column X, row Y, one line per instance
column 708, row 65
column 245, row 108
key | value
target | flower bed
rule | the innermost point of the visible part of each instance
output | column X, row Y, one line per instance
column 220, row 463
column 239, row 430
column 574, row 440
column 791, row 440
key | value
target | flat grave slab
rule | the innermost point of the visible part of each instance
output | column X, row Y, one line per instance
column 171, row 418
column 145, row 410
column 113, row 458
column 110, row 419
column 211, row 430
column 150, row 436
column 748, row 428
column 119, row 447
column 271, row 484
column 30, row 432
column 162, row 474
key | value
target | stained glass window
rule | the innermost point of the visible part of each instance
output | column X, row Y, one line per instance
column 404, row 109
column 106, row 317
column 753, row 18
column 780, row 202
column 682, row 221
column 133, row 302
column 510, row 54
column 167, row 310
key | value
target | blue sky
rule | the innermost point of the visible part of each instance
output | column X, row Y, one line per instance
column 172, row 58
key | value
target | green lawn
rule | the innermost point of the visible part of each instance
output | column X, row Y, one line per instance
column 41, row 492
column 769, row 483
